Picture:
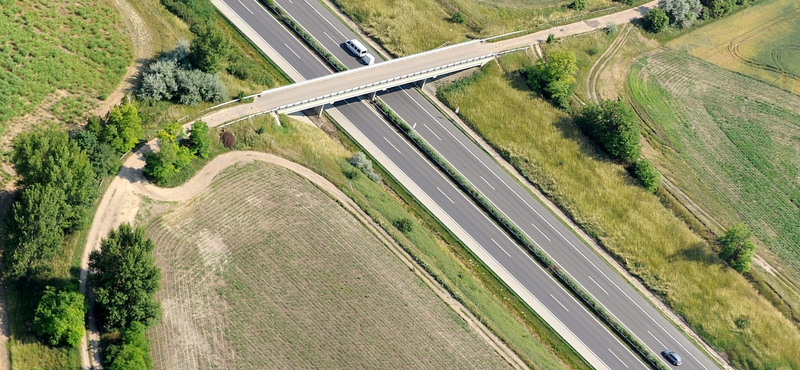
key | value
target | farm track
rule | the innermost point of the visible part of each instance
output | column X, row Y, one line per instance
column 597, row 68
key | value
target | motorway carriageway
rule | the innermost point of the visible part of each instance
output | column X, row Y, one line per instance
column 534, row 219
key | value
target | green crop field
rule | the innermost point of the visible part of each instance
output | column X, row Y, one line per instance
column 762, row 41
column 264, row 270
column 543, row 143
column 411, row 26
column 75, row 49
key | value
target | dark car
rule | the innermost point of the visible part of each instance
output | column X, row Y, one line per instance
column 672, row 357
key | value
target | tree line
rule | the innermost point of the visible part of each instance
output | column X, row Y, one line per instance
column 683, row 13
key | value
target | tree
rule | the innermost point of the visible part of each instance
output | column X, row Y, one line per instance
column 360, row 161
column 555, row 79
column 458, row 17
column 656, row 20
column 198, row 138
column 611, row 125
column 170, row 158
column 123, row 128
column 104, row 160
column 59, row 317
column 35, row 230
column 125, row 279
column 647, row 174
column 681, row 12
column 133, row 351
column 737, row 247
column 51, row 158
column 209, row 49
column 719, row 8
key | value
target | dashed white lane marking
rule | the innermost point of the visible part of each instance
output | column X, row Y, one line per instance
column 245, row 6
column 445, row 195
column 501, row 248
column 329, row 36
column 326, row 19
column 429, row 129
column 487, row 183
column 598, row 285
column 540, row 232
column 659, row 342
column 390, row 143
column 290, row 49
column 615, row 355
column 562, row 306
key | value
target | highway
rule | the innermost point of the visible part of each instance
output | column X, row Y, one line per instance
column 520, row 206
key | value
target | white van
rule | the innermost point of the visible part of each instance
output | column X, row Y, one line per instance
column 356, row 47
column 368, row 59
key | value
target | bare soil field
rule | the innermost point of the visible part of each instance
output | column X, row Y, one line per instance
column 262, row 269
column 762, row 41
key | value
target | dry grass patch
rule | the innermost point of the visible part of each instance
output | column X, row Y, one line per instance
column 546, row 147
column 265, row 270
column 762, row 41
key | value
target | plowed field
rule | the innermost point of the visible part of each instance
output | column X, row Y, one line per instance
column 264, row 270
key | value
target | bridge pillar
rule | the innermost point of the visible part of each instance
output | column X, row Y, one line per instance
column 373, row 96
column 421, row 84
column 318, row 110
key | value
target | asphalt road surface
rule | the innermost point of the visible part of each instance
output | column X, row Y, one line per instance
column 551, row 235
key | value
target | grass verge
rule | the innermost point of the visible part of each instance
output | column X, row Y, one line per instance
column 544, row 145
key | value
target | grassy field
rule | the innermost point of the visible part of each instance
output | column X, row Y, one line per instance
column 265, row 270
column 429, row 244
column 738, row 153
column 411, row 26
column 762, row 41
column 546, row 147
column 70, row 53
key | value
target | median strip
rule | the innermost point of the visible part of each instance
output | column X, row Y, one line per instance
column 523, row 239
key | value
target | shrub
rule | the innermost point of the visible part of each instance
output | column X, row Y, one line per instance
column 458, row 18
column 123, row 128
column 104, row 160
column 132, row 351
column 656, row 20
column 404, row 225
column 612, row 126
column 360, row 161
column 550, row 38
column 162, row 165
column 227, row 139
column 554, row 79
column 59, row 317
column 682, row 13
column 737, row 247
column 169, row 79
column 209, row 49
column 578, row 4
column 611, row 29
column 125, row 279
column 647, row 174
column 198, row 139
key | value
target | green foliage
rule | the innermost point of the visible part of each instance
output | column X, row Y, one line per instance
column 550, row 38
column 105, row 161
column 555, row 79
column 656, row 20
column 123, row 128
column 133, row 351
column 647, row 174
column 199, row 140
column 578, row 4
column 169, row 79
column 404, row 225
column 360, row 161
column 210, row 49
column 51, row 158
column 458, row 18
column 737, row 247
column 719, row 8
column 35, row 230
column 59, row 317
column 682, row 13
column 611, row 125
column 77, row 47
column 125, row 279
column 611, row 29
column 170, row 158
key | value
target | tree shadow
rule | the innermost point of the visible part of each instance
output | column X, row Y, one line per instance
column 700, row 252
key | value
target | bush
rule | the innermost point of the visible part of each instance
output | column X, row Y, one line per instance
column 554, row 79
column 209, row 49
column 682, row 13
column 647, row 174
column 612, row 126
column 458, row 18
column 169, row 79
column 737, row 247
column 125, row 279
column 360, row 161
column 656, row 20
column 162, row 165
column 104, row 160
column 59, row 317
column 198, row 139
column 133, row 351
column 578, row 4
column 404, row 225
column 550, row 38
column 611, row 29
column 122, row 129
